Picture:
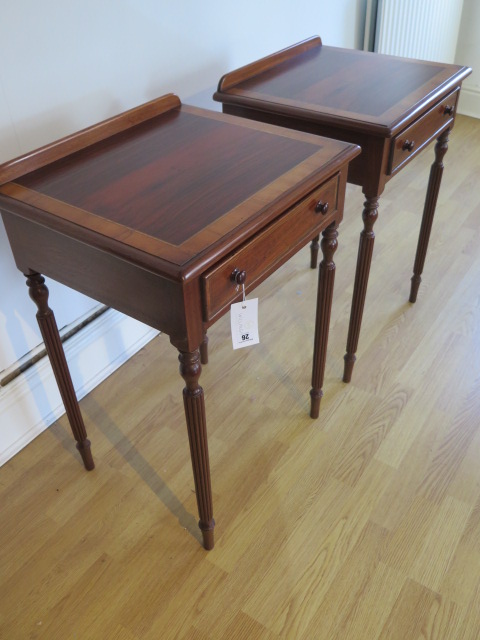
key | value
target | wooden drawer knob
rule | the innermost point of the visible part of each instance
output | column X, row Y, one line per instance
column 321, row 207
column 449, row 110
column 238, row 277
column 408, row 145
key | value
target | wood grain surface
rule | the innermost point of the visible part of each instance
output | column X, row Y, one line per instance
column 360, row 90
column 364, row 525
column 179, row 187
column 391, row 107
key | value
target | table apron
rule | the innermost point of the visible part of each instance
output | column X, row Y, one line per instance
column 409, row 142
column 366, row 170
column 273, row 246
column 169, row 306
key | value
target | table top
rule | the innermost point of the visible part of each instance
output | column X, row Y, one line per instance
column 177, row 185
column 356, row 90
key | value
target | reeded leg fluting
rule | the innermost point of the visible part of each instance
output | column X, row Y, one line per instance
column 364, row 259
column 326, row 278
column 48, row 327
column 190, row 369
column 436, row 172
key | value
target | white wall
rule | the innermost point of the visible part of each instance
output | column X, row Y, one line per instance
column 468, row 53
column 66, row 65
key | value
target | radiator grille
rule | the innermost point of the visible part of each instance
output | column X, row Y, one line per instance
column 423, row 29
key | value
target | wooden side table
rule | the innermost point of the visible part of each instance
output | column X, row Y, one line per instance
column 392, row 107
column 155, row 212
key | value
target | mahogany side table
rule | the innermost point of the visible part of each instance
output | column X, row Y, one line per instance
column 392, row 107
column 160, row 212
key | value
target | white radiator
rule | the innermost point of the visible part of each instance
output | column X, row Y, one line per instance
column 423, row 29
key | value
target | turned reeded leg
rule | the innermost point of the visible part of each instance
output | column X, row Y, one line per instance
column 190, row 369
column 314, row 247
column 204, row 350
column 48, row 327
column 434, row 181
column 326, row 277
column 364, row 259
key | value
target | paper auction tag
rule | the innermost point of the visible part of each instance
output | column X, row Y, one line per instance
column 244, row 323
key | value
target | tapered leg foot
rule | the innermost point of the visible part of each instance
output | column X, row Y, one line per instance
column 207, row 534
column 436, row 172
column 193, row 400
column 349, row 359
column 364, row 259
column 414, row 287
column 314, row 247
column 326, row 278
column 86, row 453
column 315, row 399
column 53, row 345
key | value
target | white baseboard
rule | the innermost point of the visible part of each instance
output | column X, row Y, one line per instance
column 469, row 103
column 31, row 402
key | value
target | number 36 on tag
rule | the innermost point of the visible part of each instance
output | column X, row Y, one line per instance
column 244, row 323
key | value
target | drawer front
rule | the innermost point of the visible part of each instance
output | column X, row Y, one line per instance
column 411, row 140
column 261, row 255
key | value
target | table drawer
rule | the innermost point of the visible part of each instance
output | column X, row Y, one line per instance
column 411, row 140
column 261, row 255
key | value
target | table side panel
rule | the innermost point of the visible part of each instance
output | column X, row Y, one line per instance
column 367, row 169
column 129, row 288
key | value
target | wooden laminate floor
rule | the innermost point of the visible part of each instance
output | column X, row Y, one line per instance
column 364, row 524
